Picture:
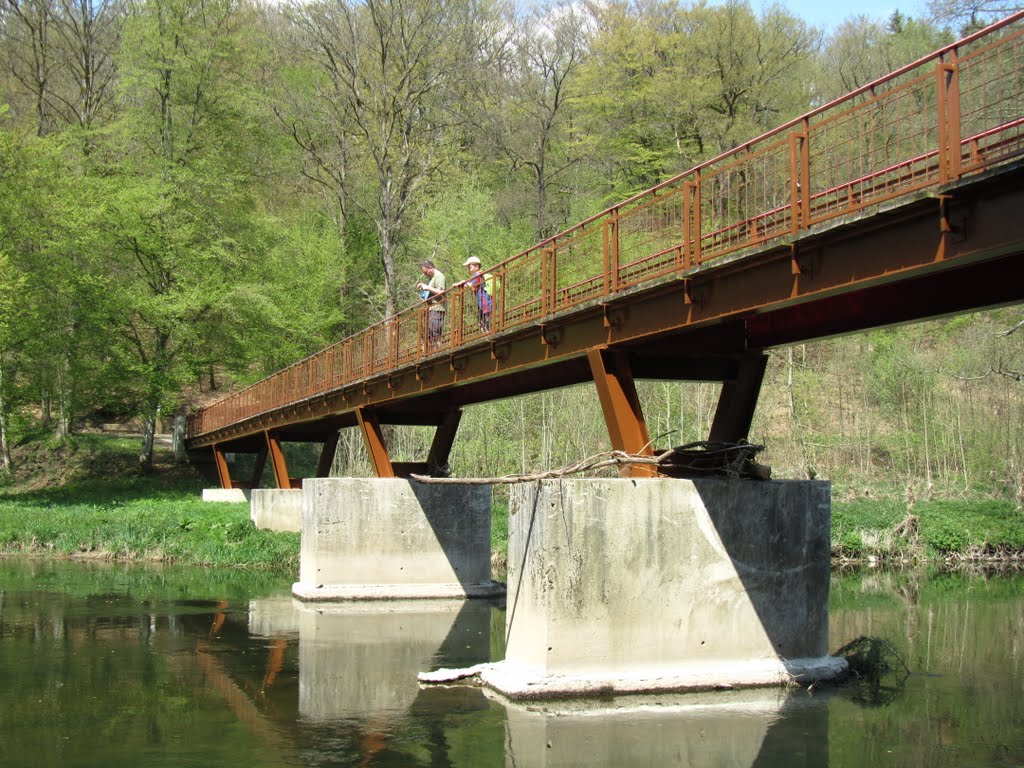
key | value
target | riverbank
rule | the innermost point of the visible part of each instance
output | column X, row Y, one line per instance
column 85, row 500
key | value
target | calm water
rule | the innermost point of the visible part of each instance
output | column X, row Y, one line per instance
column 105, row 666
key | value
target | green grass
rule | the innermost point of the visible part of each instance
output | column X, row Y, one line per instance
column 125, row 516
column 964, row 529
column 95, row 505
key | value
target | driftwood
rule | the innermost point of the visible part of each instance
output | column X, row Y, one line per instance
column 699, row 459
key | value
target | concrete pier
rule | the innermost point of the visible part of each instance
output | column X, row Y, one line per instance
column 229, row 495
column 276, row 509
column 631, row 586
column 371, row 539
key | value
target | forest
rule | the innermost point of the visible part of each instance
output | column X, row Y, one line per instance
column 195, row 193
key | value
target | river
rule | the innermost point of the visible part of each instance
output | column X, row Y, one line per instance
column 106, row 665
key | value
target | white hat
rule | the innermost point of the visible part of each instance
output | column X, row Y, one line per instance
column 471, row 260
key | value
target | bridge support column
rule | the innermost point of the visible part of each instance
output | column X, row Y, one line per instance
column 379, row 538
column 230, row 490
column 276, row 509
column 632, row 586
column 616, row 390
column 279, row 463
column 736, row 404
column 436, row 465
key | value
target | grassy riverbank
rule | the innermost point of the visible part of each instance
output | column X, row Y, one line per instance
column 84, row 500
column 980, row 528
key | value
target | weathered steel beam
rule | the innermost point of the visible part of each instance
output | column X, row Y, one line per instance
column 278, row 461
column 620, row 404
column 738, row 400
column 330, row 448
column 441, row 445
column 376, row 446
column 223, row 472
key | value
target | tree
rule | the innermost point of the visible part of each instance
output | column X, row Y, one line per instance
column 391, row 70
column 530, row 106
column 861, row 50
column 179, row 222
column 971, row 15
column 26, row 27
column 753, row 70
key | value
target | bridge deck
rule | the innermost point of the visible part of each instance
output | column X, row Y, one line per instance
column 899, row 201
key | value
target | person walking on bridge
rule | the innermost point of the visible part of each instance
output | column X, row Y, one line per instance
column 432, row 292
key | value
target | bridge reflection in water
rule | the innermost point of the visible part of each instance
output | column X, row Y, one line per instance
column 357, row 666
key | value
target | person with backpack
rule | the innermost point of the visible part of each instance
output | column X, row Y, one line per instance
column 479, row 283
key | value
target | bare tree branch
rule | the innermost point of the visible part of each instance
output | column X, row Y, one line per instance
column 1013, row 330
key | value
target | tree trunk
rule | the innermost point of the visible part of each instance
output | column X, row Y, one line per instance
column 5, row 449
column 148, row 433
column 64, row 398
column 178, row 438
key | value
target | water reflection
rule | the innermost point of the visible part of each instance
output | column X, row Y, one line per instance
column 768, row 727
column 362, row 658
column 105, row 666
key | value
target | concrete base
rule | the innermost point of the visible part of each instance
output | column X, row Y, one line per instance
column 627, row 586
column 233, row 495
column 374, row 539
column 274, row 509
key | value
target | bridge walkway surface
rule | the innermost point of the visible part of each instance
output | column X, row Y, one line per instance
column 899, row 201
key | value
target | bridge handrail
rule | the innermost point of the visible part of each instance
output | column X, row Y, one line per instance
column 930, row 122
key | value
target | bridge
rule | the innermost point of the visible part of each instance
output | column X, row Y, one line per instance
column 899, row 201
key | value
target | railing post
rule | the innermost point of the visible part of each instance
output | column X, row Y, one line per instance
column 697, row 223
column 794, row 183
column 498, row 311
column 948, row 104
column 457, row 307
column 547, row 281
column 612, row 253
column 393, row 341
column 805, row 175
column 686, row 252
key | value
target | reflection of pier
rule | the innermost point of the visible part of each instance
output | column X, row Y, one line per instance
column 361, row 659
column 357, row 665
column 760, row 728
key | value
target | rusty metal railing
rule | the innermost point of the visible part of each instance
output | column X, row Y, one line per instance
column 953, row 113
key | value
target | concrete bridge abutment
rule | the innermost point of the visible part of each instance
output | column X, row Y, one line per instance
column 391, row 538
column 657, row 585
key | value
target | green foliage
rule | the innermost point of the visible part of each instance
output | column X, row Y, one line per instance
column 244, row 184
column 164, row 527
column 944, row 528
column 127, row 516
